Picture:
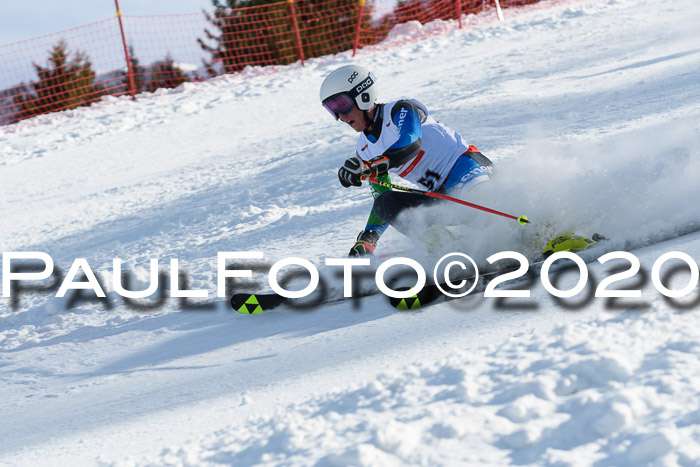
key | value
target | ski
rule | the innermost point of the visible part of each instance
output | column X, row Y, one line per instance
column 255, row 303
column 432, row 294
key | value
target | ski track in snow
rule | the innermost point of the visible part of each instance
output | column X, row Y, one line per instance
column 590, row 110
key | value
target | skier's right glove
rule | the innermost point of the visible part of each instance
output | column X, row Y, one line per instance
column 365, row 244
column 354, row 169
column 350, row 174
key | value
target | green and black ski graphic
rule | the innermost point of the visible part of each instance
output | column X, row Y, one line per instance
column 251, row 303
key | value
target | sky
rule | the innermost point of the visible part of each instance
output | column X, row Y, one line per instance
column 21, row 21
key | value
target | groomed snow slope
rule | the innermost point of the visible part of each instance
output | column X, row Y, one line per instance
column 590, row 110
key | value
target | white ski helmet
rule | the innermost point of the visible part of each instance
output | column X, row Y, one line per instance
column 350, row 81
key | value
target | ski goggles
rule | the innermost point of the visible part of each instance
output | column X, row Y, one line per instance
column 339, row 104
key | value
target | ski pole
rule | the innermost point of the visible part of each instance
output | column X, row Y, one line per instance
column 522, row 220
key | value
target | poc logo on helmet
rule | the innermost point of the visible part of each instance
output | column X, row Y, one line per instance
column 364, row 85
column 352, row 77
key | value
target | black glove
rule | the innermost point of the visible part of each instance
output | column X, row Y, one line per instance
column 378, row 166
column 365, row 244
column 350, row 174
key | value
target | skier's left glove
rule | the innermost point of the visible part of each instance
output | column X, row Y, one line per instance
column 365, row 244
column 376, row 167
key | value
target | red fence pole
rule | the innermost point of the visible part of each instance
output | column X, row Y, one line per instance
column 360, row 9
column 129, row 71
column 459, row 12
column 297, row 37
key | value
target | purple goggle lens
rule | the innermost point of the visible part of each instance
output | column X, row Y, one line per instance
column 339, row 104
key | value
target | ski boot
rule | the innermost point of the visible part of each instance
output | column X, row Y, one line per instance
column 365, row 244
column 570, row 242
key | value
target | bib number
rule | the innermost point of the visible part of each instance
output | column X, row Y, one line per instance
column 429, row 179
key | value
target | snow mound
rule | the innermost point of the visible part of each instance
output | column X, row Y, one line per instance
column 584, row 392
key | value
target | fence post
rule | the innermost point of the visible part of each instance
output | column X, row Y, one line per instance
column 499, row 12
column 459, row 12
column 129, row 71
column 297, row 37
column 360, row 10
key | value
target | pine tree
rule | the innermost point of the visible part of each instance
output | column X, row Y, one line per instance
column 9, row 110
column 165, row 74
column 328, row 26
column 244, row 34
column 139, row 72
column 261, row 32
column 64, row 84
column 411, row 10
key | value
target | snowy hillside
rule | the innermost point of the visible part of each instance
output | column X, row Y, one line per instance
column 591, row 111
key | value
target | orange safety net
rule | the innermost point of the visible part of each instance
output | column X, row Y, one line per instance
column 79, row 66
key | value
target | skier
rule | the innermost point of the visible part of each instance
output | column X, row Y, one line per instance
column 400, row 137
